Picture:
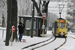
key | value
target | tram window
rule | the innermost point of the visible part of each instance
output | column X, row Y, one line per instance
column 62, row 25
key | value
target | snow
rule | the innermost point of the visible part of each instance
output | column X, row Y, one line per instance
column 70, row 44
column 30, row 16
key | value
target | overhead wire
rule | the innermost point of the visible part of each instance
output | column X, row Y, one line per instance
column 64, row 2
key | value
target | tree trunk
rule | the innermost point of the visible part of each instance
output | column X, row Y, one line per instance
column 14, row 18
column 37, row 8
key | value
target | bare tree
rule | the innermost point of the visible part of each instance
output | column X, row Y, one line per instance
column 37, row 8
column 14, row 15
column 45, row 4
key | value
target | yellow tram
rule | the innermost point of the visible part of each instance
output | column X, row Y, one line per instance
column 59, row 28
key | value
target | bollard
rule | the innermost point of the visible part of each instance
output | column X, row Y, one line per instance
column 12, row 38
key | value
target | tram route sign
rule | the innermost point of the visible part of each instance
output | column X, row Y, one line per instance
column 43, row 15
column 13, row 28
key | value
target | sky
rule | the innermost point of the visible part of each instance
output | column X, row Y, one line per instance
column 53, row 7
column 70, row 44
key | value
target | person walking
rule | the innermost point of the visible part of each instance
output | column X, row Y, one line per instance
column 21, row 30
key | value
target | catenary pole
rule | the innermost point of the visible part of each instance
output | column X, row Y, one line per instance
column 9, row 13
column 32, row 19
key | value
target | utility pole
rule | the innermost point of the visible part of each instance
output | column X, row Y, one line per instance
column 32, row 19
column 46, row 19
column 39, row 6
column 60, row 14
column 9, row 13
column 43, row 17
column 39, row 26
column 61, row 9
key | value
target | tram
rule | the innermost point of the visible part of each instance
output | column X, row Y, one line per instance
column 59, row 28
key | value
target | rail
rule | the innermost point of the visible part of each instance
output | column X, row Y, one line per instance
column 61, row 44
column 37, row 43
column 44, row 44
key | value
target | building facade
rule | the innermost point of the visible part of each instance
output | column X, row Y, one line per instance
column 71, row 12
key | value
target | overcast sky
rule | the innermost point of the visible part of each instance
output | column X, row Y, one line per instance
column 54, row 8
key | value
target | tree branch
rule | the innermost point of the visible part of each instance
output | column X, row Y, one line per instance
column 37, row 8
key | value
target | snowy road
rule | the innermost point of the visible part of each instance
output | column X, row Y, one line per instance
column 70, row 44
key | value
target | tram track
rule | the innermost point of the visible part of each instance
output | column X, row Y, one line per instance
column 49, row 43
column 37, row 43
column 44, row 44
column 61, row 44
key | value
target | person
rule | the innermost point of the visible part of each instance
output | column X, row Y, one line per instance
column 21, row 30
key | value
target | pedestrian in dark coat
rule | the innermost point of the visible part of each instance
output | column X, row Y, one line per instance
column 21, row 30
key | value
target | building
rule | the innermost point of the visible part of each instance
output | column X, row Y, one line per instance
column 71, row 12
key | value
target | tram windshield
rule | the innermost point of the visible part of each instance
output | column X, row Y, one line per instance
column 62, row 25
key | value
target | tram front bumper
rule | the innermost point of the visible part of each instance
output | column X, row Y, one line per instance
column 62, row 35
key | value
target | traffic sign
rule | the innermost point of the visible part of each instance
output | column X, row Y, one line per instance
column 13, row 28
column 44, row 15
column 43, row 26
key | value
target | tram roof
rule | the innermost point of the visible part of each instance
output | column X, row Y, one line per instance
column 29, row 16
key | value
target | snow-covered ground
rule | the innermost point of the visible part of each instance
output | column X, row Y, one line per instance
column 70, row 44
